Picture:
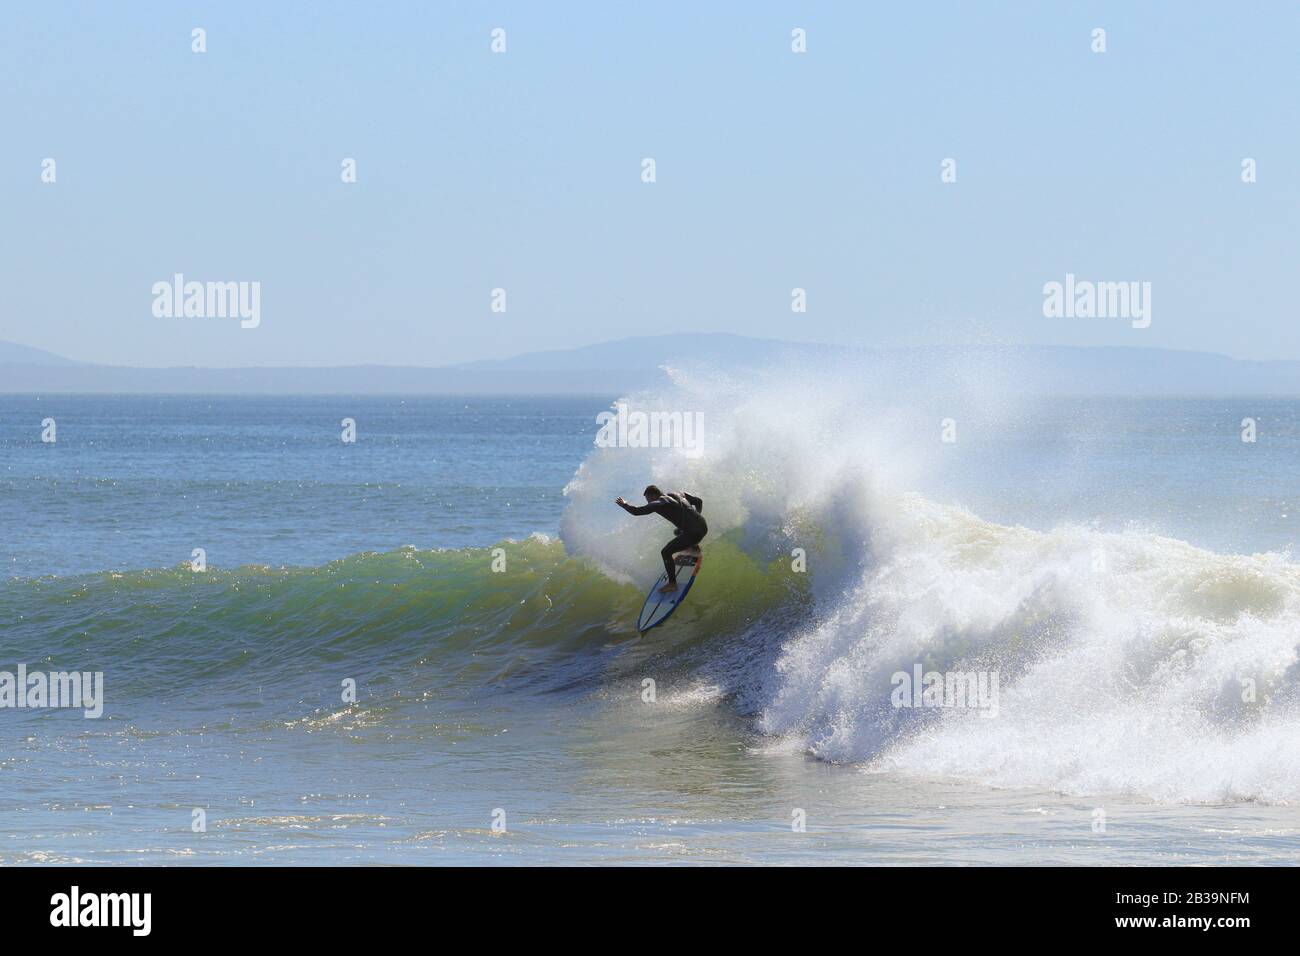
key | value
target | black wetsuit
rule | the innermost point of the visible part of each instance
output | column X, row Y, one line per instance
column 684, row 511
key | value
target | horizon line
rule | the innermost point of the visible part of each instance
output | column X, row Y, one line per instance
column 470, row 365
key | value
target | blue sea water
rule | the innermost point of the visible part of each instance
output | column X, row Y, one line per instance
column 1125, row 563
column 139, row 481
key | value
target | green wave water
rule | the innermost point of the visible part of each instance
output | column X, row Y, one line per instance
column 522, row 611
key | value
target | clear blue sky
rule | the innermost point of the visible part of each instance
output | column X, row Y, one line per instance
column 522, row 170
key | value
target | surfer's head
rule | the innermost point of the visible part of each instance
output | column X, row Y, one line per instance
column 652, row 492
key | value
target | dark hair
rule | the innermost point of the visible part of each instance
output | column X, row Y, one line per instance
column 652, row 491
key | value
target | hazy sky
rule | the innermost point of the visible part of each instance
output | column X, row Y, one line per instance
column 522, row 170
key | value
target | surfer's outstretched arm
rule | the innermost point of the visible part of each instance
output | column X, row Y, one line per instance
column 635, row 509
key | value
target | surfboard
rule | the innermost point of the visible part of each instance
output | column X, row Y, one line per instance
column 658, row 606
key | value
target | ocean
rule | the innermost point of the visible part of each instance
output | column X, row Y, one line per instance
column 419, row 647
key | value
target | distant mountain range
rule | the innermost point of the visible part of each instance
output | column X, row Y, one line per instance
column 13, row 354
column 611, row 368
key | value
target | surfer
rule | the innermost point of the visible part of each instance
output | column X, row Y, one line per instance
column 689, row 526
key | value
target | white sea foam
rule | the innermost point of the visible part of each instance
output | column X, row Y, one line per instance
column 1171, row 674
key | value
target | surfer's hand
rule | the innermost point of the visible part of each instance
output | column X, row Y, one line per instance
column 620, row 502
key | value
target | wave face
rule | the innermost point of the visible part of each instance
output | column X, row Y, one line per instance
column 522, row 615
column 1127, row 662
column 405, row 620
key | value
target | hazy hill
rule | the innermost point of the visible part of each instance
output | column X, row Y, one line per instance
column 14, row 354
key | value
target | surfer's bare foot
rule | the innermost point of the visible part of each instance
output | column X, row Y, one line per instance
column 668, row 588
